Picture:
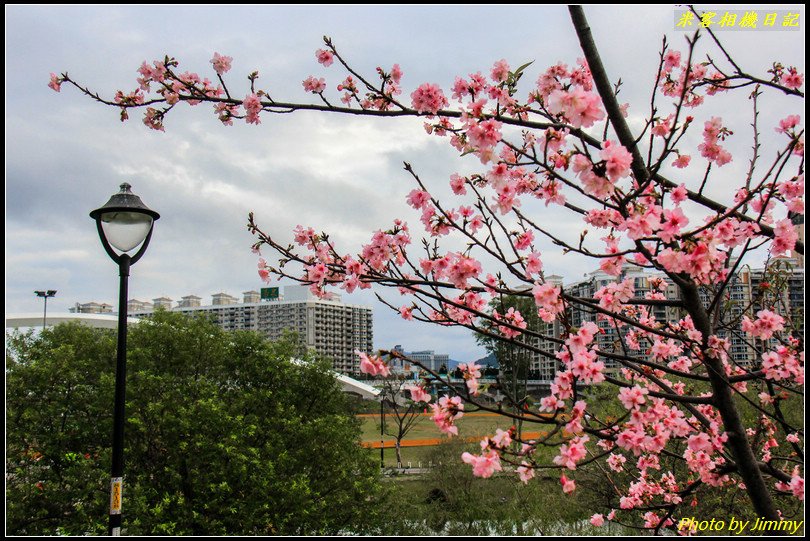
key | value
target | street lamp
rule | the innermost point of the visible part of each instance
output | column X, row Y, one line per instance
column 45, row 295
column 123, row 223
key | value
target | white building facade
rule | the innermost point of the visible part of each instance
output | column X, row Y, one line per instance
column 327, row 326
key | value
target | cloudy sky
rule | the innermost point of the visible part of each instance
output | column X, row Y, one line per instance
column 65, row 155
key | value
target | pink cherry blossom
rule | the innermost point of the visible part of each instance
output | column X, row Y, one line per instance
column 713, row 132
column 616, row 462
column 792, row 79
column 785, row 237
column 525, row 472
column 325, row 57
column 663, row 126
column 568, row 485
column 682, row 161
column 632, row 397
column 418, row 198
column 500, row 71
column 766, row 324
column 785, row 125
column 679, row 194
column 418, row 394
column 471, row 373
column 457, row 183
column 253, row 105
column 547, row 297
column 784, row 363
column 428, row 98
column 313, row 85
column 55, row 83
column 153, row 119
column 524, row 240
column 700, row 442
column 372, row 365
column 502, row 438
column 673, row 222
column 533, row 264
column 485, row 464
column 582, row 109
column 571, row 453
column 222, row 64
column 446, row 412
column 485, row 134
column 514, row 318
column 672, row 59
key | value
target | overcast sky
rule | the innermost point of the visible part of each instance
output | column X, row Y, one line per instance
column 65, row 154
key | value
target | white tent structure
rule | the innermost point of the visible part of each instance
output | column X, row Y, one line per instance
column 351, row 385
column 101, row 321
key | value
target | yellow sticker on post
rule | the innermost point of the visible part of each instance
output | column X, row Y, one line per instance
column 116, row 486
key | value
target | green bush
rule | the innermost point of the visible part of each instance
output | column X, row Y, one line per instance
column 224, row 435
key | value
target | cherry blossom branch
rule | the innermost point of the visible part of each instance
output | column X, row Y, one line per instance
column 739, row 73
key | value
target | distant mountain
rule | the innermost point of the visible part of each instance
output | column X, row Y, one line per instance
column 451, row 364
column 489, row 360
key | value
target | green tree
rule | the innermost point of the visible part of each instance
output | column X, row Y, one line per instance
column 514, row 359
column 403, row 413
column 224, row 435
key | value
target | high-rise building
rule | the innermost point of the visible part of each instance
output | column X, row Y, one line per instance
column 327, row 326
column 748, row 291
column 798, row 222
column 611, row 340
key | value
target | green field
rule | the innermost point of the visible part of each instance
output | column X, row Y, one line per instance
column 473, row 425
column 470, row 426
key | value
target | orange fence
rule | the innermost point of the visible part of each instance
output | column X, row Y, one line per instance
column 474, row 414
column 426, row 442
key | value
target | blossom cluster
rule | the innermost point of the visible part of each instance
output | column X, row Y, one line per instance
column 446, row 412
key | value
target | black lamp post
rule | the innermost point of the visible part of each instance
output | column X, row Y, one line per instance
column 45, row 295
column 123, row 223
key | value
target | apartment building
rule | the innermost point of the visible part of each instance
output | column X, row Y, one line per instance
column 327, row 326
column 91, row 308
column 747, row 292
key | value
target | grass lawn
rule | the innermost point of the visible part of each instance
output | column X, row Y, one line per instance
column 472, row 426
column 475, row 425
column 449, row 500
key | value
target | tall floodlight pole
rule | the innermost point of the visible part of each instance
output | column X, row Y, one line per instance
column 45, row 295
column 123, row 224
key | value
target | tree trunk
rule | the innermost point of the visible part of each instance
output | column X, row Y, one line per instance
column 738, row 443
